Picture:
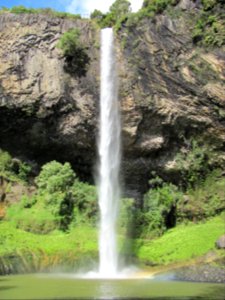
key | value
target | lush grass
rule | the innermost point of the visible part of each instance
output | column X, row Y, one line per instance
column 20, row 9
column 180, row 244
column 79, row 241
column 183, row 242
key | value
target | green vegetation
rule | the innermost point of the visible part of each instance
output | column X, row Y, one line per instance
column 193, row 163
column 209, row 29
column 149, row 10
column 85, row 203
column 159, row 207
column 13, row 169
column 74, row 52
column 45, row 251
column 210, row 26
column 200, row 194
column 20, row 9
column 58, row 222
column 60, row 199
column 118, row 13
column 157, row 6
column 183, row 242
column 52, row 205
column 204, row 200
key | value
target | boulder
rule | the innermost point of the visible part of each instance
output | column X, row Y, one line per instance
column 220, row 243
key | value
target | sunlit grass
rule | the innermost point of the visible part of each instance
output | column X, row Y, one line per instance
column 82, row 239
column 183, row 242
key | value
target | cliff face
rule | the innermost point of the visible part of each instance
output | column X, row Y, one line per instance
column 170, row 92
column 46, row 113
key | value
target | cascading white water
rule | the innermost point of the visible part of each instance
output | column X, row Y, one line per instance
column 109, row 153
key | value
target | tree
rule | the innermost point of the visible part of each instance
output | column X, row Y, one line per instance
column 117, row 12
column 55, row 177
column 97, row 14
column 120, row 8
column 75, row 55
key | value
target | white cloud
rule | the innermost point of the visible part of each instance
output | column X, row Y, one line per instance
column 88, row 6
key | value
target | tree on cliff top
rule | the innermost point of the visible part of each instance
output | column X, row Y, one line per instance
column 118, row 10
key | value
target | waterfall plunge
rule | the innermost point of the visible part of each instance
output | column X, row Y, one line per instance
column 109, row 153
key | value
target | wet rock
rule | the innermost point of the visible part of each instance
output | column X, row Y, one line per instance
column 201, row 273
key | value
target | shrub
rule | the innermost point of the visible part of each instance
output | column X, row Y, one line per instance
column 34, row 219
column 60, row 199
column 120, row 8
column 193, row 164
column 20, row 9
column 24, row 171
column 75, row 56
column 13, row 168
column 97, row 15
column 205, row 200
column 158, row 6
column 51, row 205
column 55, row 177
column 159, row 210
column 209, row 29
column 118, row 12
column 54, row 190
column 208, row 4
column 5, row 161
column 85, row 202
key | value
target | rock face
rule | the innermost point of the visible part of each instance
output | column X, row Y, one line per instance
column 170, row 92
column 45, row 113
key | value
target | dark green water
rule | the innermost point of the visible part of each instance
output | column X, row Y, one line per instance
column 67, row 287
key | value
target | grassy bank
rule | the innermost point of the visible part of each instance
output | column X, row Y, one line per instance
column 44, row 252
column 78, row 240
column 22, row 251
column 182, row 243
column 54, row 226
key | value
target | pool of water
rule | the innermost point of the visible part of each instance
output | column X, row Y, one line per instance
column 62, row 286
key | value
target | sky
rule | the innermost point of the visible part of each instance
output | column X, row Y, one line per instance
column 83, row 7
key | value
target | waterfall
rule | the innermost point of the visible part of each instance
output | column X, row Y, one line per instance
column 109, row 154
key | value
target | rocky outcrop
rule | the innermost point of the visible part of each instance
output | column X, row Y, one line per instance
column 170, row 93
column 45, row 113
column 220, row 243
